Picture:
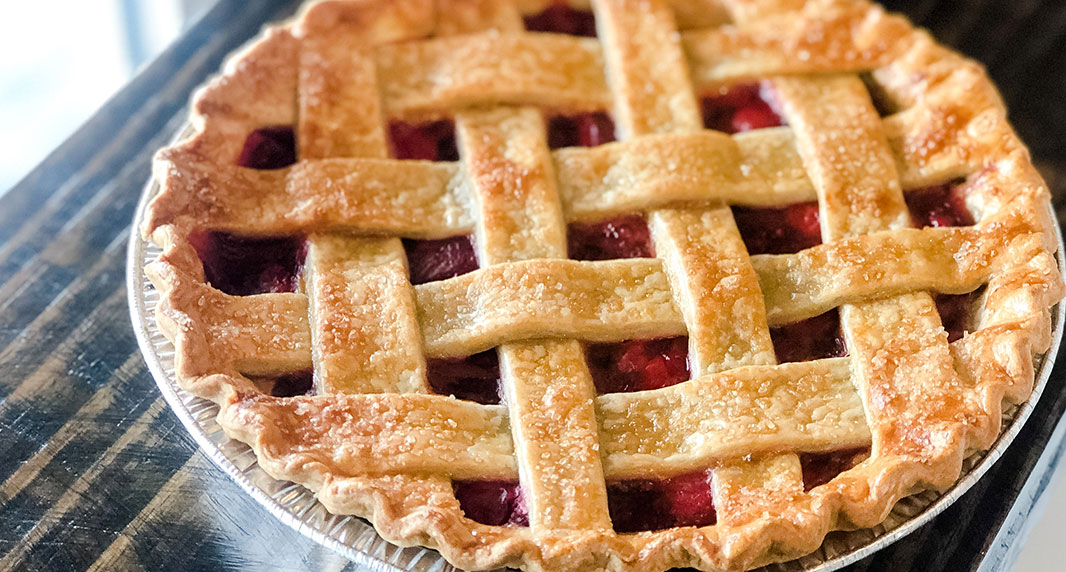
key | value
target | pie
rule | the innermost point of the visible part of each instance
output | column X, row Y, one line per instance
column 631, row 286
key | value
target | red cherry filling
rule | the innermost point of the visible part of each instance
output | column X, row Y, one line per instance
column 820, row 468
column 559, row 18
column 292, row 384
column 269, row 148
column 431, row 260
column 814, row 338
column 779, row 230
column 685, row 500
column 638, row 365
column 433, row 141
column 941, row 205
column 584, row 130
column 956, row 312
column 495, row 503
column 473, row 378
column 739, row 108
column 242, row 266
column 620, row 237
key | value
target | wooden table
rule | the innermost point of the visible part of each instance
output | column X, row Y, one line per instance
column 97, row 473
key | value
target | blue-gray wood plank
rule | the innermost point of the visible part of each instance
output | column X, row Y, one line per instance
column 97, row 473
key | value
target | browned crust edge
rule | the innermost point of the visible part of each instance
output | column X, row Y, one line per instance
column 408, row 510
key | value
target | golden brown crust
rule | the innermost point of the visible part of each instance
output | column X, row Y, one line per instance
column 373, row 443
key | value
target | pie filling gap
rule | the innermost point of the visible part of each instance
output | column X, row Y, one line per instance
column 431, row 141
column 244, row 265
column 741, row 107
column 820, row 468
column 958, row 312
column 779, row 230
column 939, row 205
column 270, row 147
column 580, row 130
column 290, row 384
column 473, row 378
column 637, row 505
column 625, row 236
column 815, row 338
column 561, row 18
column 429, row 260
column 492, row 502
column 638, row 365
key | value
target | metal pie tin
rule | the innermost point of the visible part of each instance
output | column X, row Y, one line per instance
column 356, row 539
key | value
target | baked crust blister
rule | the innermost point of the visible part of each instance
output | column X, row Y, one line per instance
column 375, row 442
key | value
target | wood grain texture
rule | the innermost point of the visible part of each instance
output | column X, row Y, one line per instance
column 97, row 473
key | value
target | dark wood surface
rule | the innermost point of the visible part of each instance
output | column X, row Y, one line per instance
column 97, row 473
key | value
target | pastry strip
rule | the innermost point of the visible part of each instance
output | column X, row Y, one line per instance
column 701, row 249
column 547, row 385
column 898, row 346
column 362, row 316
column 809, row 406
column 434, row 77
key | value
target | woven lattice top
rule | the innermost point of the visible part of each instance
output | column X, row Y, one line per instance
column 375, row 441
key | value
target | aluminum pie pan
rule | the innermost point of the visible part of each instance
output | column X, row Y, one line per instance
column 356, row 539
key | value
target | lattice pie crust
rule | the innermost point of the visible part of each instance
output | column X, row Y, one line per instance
column 375, row 442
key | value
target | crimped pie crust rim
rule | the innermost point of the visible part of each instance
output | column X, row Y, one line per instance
column 303, row 521
column 338, row 494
